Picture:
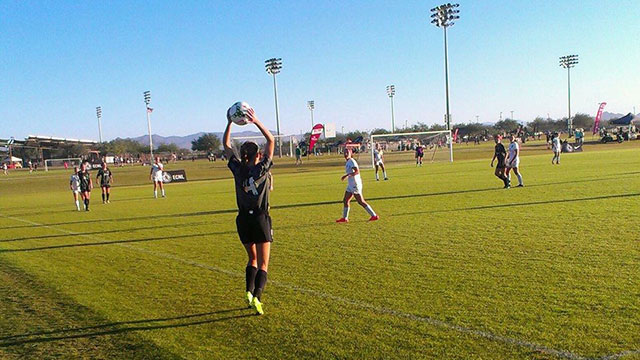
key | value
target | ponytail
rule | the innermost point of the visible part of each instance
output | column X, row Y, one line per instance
column 248, row 153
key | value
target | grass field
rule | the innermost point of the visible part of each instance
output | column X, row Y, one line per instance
column 457, row 267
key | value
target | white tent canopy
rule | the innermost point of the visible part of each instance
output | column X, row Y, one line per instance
column 13, row 159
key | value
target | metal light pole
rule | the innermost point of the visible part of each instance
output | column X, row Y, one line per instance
column 477, row 118
column 273, row 67
column 500, row 115
column 311, row 105
column 99, row 115
column 444, row 16
column 568, row 62
column 512, row 115
column 391, row 91
column 147, row 101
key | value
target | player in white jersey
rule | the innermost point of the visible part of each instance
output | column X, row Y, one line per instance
column 74, row 185
column 378, row 161
column 157, row 170
column 556, row 147
column 354, row 188
column 513, row 159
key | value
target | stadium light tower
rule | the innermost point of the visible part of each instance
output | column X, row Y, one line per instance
column 273, row 67
column 391, row 91
column 311, row 105
column 444, row 16
column 99, row 115
column 147, row 101
column 568, row 62
column 511, row 114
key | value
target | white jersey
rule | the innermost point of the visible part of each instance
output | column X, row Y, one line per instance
column 556, row 144
column 377, row 156
column 514, row 157
column 75, row 182
column 354, row 183
column 156, row 171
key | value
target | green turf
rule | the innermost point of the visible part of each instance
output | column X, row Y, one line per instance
column 456, row 268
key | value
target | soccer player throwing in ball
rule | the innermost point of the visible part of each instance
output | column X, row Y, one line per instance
column 513, row 159
column 157, row 169
column 106, row 179
column 74, row 185
column 378, row 160
column 354, row 188
column 500, row 154
column 253, row 185
column 86, row 184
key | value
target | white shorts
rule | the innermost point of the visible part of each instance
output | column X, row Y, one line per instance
column 354, row 189
column 514, row 164
column 158, row 177
column 75, row 191
column 379, row 163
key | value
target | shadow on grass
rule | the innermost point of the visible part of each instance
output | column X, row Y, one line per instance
column 510, row 205
column 101, row 232
column 124, row 326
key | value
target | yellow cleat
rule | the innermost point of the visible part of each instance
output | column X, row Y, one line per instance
column 257, row 306
column 249, row 297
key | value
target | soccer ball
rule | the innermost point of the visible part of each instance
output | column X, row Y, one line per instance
column 238, row 113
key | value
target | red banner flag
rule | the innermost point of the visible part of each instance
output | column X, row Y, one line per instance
column 315, row 135
column 596, row 124
column 455, row 135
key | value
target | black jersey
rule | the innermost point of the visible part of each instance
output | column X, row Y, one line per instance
column 105, row 177
column 252, row 184
column 501, row 154
column 85, row 181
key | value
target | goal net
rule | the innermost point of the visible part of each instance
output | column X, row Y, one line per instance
column 66, row 163
column 403, row 147
column 289, row 143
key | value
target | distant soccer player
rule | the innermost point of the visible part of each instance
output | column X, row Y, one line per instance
column 157, row 169
column 253, row 184
column 298, row 155
column 74, row 185
column 378, row 161
column 354, row 188
column 106, row 179
column 4, row 168
column 556, row 147
column 86, row 184
column 513, row 159
column 419, row 154
column 500, row 154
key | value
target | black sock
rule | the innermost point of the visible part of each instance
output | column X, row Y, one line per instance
column 103, row 197
column 261, row 281
column 86, row 203
column 250, row 277
column 108, row 196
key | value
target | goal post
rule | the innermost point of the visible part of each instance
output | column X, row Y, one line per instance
column 54, row 163
column 259, row 139
column 402, row 146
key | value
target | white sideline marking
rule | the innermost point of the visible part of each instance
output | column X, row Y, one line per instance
column 439, row 323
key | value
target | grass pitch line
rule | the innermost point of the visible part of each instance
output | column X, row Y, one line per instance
column 382, row 310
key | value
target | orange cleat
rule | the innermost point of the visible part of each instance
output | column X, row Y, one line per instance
column 374, row 218
column 342, row 220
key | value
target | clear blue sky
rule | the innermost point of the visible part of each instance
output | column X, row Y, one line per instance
column 61, row 59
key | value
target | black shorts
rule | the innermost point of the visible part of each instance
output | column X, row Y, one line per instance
column 106, row 185
column 84, row 189
column 254, row 228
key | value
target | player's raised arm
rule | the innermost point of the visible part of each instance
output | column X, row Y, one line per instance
column 265, row 132
column 226, row 140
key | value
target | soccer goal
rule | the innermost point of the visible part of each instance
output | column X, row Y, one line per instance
column 60, row 163
column 289, row 142
column 403, row 147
